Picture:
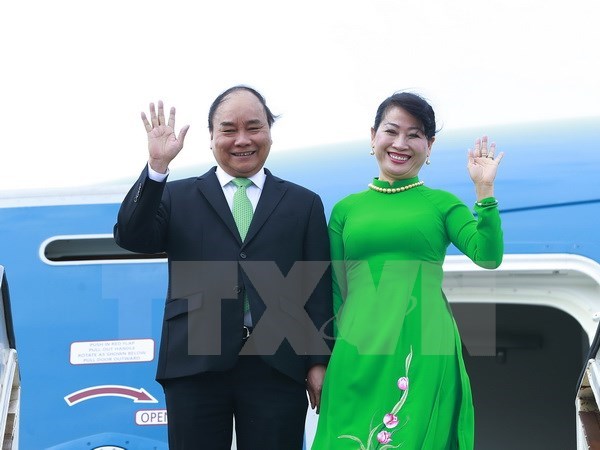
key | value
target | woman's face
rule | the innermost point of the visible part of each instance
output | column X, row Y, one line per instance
column 400, row 145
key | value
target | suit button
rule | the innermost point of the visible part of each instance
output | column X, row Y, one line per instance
column 237, row 289
column 243, row 255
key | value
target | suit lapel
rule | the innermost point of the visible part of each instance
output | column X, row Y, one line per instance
column 272, row 193
column 209, row 187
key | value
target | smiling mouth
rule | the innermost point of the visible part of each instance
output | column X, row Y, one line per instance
column 244, row 153
column 399, row 158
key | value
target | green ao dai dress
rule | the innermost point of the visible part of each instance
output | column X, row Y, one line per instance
column 396, row 378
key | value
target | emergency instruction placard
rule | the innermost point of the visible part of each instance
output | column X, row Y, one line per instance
column 112, row 351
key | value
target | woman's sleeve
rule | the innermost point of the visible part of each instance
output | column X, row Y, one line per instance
column 336, row 226
column 480, row 238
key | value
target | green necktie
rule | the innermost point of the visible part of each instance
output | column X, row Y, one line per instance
column 242, row 208
column 242, row 214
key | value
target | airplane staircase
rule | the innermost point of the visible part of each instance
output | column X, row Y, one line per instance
column 10, row 379
column 587, row 400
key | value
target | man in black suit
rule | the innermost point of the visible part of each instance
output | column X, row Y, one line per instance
column 219, row 359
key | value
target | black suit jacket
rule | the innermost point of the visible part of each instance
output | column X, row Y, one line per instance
column 282, row 267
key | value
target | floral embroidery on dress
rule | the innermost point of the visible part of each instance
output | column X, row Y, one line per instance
column 381, row 435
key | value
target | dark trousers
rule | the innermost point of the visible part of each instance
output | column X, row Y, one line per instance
column 269, row 409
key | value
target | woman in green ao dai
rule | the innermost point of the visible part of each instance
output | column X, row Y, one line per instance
column 396, row 378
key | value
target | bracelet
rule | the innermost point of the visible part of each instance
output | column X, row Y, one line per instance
column 487, row 204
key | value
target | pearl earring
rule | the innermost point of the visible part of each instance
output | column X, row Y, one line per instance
column 372, row 152
column 427, row 161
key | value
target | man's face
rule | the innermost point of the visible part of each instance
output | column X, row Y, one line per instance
column 241, row 137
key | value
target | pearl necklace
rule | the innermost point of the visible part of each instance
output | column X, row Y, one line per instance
column 395, row 190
